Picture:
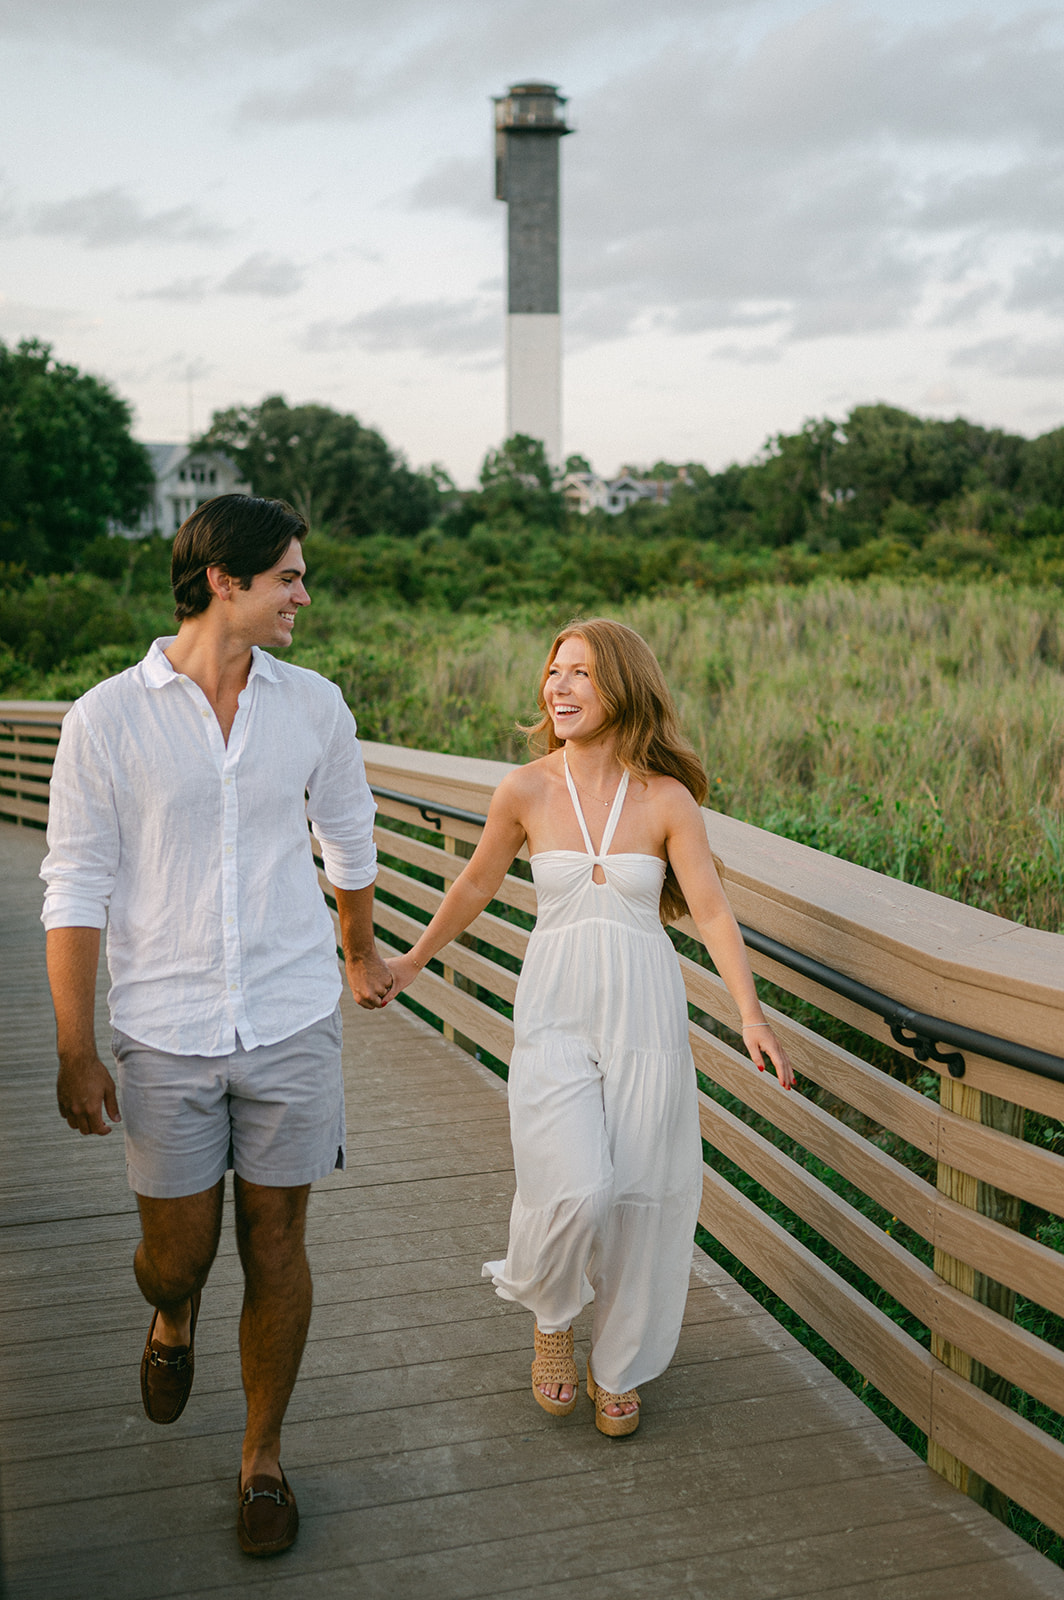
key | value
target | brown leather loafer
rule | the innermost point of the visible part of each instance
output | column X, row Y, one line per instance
column 267, row 1517
column 166, row 1372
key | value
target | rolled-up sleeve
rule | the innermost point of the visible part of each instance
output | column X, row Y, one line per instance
column 341, row 808
column 83, row 846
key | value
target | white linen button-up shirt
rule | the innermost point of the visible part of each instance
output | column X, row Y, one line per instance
column 195, row 853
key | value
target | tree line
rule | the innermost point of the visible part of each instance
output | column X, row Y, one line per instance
column 881, row 490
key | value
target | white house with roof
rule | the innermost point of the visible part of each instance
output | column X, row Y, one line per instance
column 586, row 491
column 184, row 479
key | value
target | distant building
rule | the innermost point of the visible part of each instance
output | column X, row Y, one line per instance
column 586, row 491
column 184, row 478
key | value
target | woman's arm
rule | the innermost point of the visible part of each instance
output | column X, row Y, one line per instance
column 692, row 862
column 503, row 836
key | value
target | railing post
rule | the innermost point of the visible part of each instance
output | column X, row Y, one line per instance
column 967, row 1191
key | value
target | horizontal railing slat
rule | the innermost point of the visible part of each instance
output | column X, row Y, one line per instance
column 994, row 1077
column 873, row 1344
column 1010, row 1164
column 469, row 833
column 27, row 810
column 1006, row 1450
column 512, row 891
column 466, row 1013
column 886, row 1101
column 487, row 927
column 480, row 969
column 886, row 1181
column 1011, row 1351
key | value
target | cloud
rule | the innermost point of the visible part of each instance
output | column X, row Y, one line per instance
column 187, row 290
column 835, row 168
column 332, row 92
column 109, row 217
column 965, row 307
column 264, row 274
column 18, row 320
column 748, row 354
column 1040, row 285
column 455, row 183
column 260, row 274
column 1027, row 195
column 1013, row 357
column 943, row 394
column 433, row 327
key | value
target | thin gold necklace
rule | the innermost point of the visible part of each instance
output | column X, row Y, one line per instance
column 587, row 792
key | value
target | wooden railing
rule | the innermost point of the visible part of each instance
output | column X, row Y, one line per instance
column 934, row 955
column 29, row 733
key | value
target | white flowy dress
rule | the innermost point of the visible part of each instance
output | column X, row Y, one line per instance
column 603, row 1111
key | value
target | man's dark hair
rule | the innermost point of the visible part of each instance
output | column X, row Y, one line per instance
column 238, row 532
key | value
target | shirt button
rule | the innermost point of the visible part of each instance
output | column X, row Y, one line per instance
column 228, row 781
column 229, row 921
column 232, row 988
column 204, row 713
column 228, row 849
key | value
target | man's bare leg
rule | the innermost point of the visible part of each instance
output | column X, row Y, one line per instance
column 175, row 1254
column 270, row 1227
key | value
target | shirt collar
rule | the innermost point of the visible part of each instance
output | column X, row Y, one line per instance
column 159, row 670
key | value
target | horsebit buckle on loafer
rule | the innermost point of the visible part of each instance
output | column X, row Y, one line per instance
column 177, row 1362
column 278, row 1496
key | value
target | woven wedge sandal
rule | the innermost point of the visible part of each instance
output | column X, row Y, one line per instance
column 613, row 1427
column 554, row 1364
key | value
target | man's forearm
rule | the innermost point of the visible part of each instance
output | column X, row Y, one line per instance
column 73, row 957
column 355, row 910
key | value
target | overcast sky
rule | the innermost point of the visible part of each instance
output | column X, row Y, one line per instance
column 771, row 210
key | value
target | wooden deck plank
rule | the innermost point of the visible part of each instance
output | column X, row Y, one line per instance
column 422, row 1465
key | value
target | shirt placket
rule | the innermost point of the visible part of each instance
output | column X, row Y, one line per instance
column 226, row 758
column 234, row 975
column 231, row 893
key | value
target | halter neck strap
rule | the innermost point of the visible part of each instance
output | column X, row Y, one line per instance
column 611, row 821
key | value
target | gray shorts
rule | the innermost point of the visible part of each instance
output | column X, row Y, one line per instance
column 275, row 1115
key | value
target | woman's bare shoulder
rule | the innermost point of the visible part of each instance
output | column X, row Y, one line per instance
column 528, row 782
column 661, row 786
column 671, row 798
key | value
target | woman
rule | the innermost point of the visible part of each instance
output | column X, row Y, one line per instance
column 603, row 1109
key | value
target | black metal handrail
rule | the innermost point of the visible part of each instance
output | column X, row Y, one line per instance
column 429, row 809
column 917, row 1031
column 914, row 1030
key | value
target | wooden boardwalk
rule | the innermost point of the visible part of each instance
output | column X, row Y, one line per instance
column 422, row 1465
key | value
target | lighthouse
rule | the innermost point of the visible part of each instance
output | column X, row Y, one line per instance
column 529, row 125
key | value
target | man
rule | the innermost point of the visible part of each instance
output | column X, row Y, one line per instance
column 178, row 819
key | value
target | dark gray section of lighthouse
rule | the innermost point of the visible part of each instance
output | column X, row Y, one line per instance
column 532, row 198
column 529, row 125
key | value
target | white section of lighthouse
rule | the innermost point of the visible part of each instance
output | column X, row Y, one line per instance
column 529, row 125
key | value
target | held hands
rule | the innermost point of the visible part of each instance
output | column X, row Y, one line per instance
column 370, row 980
column 85, row 1090
column 403, row 971
column 762, row 1045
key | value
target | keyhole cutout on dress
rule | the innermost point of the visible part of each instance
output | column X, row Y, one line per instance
column 597, row 874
